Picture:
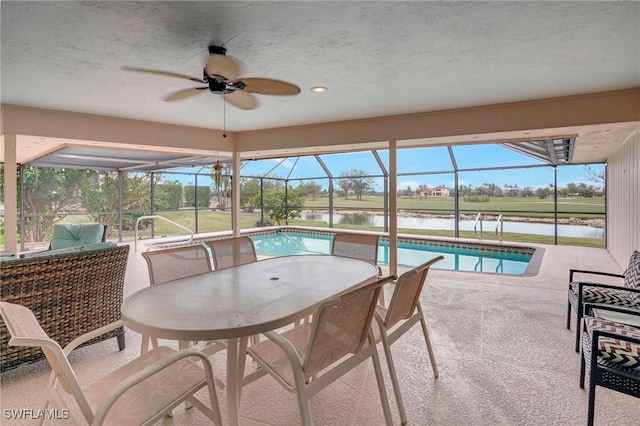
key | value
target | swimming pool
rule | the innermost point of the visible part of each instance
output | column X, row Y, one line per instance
column 458, row 256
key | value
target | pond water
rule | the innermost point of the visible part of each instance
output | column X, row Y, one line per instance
column 578, row 231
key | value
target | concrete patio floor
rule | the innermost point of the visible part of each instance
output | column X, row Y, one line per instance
column 504, row 355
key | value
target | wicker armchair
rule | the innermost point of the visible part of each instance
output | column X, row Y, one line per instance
column 71, row 293
column 67, row 235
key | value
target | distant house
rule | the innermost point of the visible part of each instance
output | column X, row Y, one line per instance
column 438, row 191
column 512, row 192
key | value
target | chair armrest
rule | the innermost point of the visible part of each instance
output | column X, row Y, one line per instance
column 610, row 286
column 602, row 333
column 287, row 347
column 583, row 271
column 26, row 254
column 147, row 372
column 90, row 335
column 613, row 308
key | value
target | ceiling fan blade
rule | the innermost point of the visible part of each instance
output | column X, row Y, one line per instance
column 164, row 73
column 241, row 99
column 222, row 65
column 184, row 94
column 267, row 86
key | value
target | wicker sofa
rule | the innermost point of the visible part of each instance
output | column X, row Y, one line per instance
column 71, row 291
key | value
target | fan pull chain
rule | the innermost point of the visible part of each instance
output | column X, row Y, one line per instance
column 224, row 115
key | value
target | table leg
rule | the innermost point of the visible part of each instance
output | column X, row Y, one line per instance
column 236, row 355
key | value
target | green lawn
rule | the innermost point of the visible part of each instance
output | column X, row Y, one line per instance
column 578, row 207
column 213, row 220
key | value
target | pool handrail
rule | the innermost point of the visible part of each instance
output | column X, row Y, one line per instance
column 135, row 243
column 499, row 227
column 475, row 226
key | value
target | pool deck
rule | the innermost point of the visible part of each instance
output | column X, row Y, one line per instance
column 504, row 355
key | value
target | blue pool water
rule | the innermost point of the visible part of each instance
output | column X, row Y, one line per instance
column 409, row 253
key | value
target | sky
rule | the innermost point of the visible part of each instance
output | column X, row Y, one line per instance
column 434, row 160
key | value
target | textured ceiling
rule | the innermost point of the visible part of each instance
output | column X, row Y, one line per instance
column 376, row 58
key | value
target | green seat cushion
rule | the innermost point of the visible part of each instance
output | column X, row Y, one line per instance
column 76, row 234
column 67, row 250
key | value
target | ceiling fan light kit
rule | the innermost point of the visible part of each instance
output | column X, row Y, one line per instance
column 221, row 77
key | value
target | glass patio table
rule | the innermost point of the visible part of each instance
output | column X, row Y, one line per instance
column 619, row 317
column 235, row 303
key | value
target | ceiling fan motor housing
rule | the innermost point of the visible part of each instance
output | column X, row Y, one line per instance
column 217, row 50
column 219, row 84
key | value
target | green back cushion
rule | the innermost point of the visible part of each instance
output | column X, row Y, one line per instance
column 76, row 234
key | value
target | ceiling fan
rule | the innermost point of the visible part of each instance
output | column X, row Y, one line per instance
column 221, row 77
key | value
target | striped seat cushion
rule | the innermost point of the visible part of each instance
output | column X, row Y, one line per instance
column 614, row 353
column 601, row 295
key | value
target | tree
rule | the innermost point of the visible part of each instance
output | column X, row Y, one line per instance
column 527, row 191
column 491, row 189
column 249, row 194
column 356, row 181
column 595, row 176
column 465, row 191
column 345, row 185
column 584, row 190
column 420, row 188
column 50, row 193
column 204, row 196
column 572, row 189
column 310, row 189
column 278, row 208
column 103, row 202
column 168, row 196
column 543, row 193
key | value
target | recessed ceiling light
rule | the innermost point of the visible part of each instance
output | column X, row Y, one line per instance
column 318, row 89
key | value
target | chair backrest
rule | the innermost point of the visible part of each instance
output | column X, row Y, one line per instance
column 406, row 293
column 632, row 276
column 25, row 330
column 67, row 235
column 632, row 273
column 358, row 246
column 230, row 252
column 177, row 262
column 340, row 326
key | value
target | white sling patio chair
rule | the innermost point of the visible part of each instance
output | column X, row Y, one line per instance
column 230, row 252
column 308, row 357
column 140, row 392
column 358, row 246
column 403, row 312
column 171, row 264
